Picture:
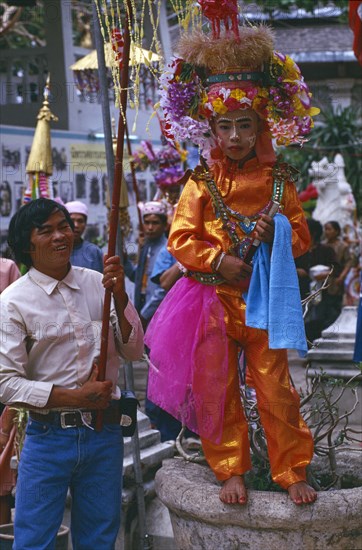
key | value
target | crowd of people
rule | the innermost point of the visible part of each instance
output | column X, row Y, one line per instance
column 328, row 257
column 228, row 276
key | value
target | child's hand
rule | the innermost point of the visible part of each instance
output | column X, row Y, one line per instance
column 233, row 270
column 264, row 229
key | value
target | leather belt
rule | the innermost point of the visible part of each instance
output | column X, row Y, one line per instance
column 77, row 418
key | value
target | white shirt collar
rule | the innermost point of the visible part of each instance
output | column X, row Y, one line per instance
column 48, row 284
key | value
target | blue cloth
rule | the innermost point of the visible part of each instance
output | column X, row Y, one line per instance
column 273, row 299
column 163, row 262
column 88, row 462
column 154, row 293
column 87, row 255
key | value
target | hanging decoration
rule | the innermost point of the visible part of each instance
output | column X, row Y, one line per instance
column 188, row 13
column 142, row 63
column 117, row 46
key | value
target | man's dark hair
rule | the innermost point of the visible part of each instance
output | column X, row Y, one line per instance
column 315, row 229
column 31, row 215
column 162, row 217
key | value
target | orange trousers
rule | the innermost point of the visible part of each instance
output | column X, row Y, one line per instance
column 289, row 441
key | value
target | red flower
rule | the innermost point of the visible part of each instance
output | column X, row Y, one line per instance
column 233, row 104
column 205, row 112
column 312, row 191
column 309, row 193
column 303, row 196
column 166, row 130
column 177, row 63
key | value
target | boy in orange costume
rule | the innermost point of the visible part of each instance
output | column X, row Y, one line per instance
column 230, row 95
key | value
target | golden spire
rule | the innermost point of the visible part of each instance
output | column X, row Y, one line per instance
column 40, row 158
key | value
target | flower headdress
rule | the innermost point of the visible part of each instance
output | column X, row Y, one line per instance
column 165, row 164
column 169, row 177
column 237, row 69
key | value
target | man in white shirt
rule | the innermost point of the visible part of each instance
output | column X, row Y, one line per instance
column 51, row 323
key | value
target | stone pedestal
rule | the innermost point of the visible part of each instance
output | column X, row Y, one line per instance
column 333, row 353
column 269, row 520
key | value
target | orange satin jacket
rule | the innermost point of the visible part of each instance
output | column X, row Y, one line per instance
column 197, row 237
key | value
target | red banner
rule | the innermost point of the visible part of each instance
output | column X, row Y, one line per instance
column 355, row 22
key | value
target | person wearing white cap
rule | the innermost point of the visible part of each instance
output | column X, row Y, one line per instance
column 85, row 254
column 147, row 294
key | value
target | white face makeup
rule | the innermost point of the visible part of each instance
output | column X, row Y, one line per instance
column 252, row 141
column 236, row 133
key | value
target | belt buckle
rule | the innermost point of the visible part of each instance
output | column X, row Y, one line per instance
column 63, row 421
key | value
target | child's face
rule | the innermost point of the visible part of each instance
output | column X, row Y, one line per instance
column 236, row 132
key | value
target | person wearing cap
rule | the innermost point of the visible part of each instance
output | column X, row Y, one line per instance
column 84, row 254
column 147, row 294
column 51, row 324
column 230, row 93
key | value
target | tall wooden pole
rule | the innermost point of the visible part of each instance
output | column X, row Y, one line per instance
column 106, row 115
column 116, row 193
column 115, row 190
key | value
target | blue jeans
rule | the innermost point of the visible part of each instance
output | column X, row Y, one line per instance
column 88, row 462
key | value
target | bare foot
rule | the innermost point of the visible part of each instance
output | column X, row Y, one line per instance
column 233, row 491
column 302, row 493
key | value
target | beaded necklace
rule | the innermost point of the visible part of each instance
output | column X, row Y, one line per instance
column 230, row 218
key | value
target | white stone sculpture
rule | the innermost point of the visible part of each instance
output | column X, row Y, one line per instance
column 335, row 198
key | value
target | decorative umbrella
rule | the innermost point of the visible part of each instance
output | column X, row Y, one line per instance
column 137, row 55
column 85, row 68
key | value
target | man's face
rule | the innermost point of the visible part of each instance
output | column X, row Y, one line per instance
column 80, row 223
column 236, row 133
column 51, row 245
column 154, row 227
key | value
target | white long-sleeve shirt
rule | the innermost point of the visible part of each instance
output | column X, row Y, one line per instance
column 50, row 335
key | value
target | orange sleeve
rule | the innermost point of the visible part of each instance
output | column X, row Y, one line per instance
column 189, row 241
column 294, row 212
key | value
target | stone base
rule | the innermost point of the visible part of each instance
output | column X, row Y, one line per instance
column 270, row 520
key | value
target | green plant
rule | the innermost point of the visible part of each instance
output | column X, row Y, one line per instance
column 332, row 433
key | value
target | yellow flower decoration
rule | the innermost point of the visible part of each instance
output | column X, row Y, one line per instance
column 290, row 65
column 219, row 106
column 263, row 92
column 237, row 94
column 313, row 111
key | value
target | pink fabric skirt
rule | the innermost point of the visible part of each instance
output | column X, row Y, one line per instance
column 189, row 358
